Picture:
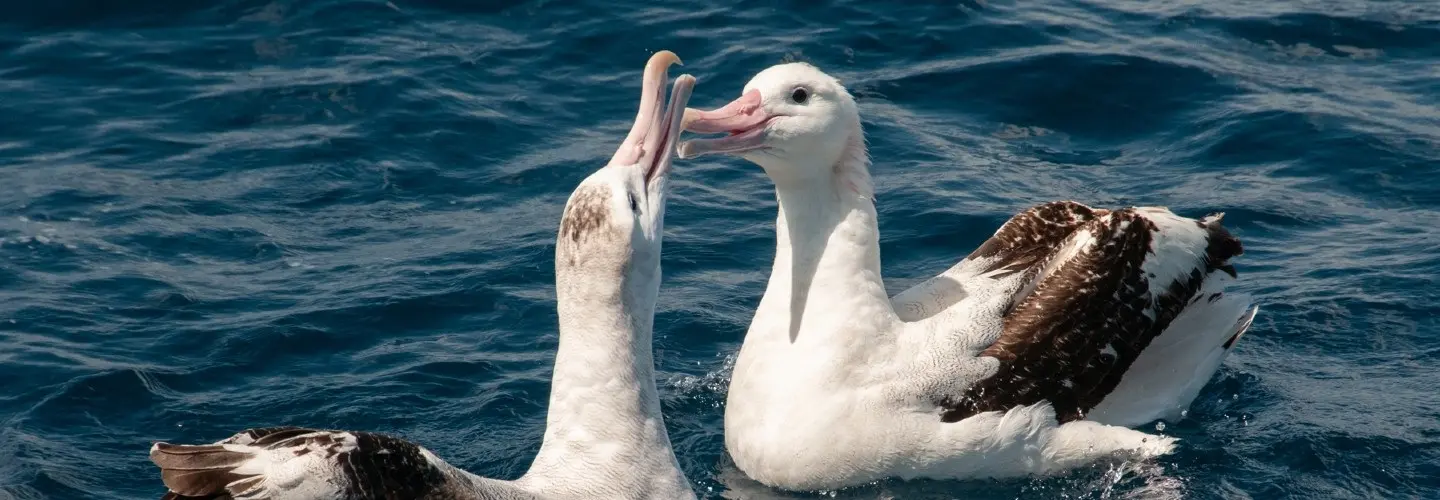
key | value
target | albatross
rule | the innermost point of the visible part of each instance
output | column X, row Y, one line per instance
column 605, row 436
column 1037, row 352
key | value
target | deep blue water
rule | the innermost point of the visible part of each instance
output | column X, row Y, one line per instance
column 341, row 213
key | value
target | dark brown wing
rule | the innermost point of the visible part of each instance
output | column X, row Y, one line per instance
column 1030, row 237
column 1092, row 311
column 353, row 465
column 1019, row 246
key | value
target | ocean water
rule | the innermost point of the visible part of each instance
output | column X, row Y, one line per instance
column 341, row 213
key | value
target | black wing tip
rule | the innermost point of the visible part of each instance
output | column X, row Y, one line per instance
column 1228, row 245
column 1220, row 245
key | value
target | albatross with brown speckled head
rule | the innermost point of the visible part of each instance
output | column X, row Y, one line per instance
column 604, row 436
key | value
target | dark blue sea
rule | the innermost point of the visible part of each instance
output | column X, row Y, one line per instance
column 341, row 213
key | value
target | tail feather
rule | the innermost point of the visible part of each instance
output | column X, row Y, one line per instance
column 198, row 471
column 1242, row 326
column 197, row 457
column 1170, row 374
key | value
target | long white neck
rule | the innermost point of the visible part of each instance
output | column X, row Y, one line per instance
column 604, row 428
column 827, row 260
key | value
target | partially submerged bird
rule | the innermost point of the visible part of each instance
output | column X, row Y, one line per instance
column 1033, row 354
column 604, row 436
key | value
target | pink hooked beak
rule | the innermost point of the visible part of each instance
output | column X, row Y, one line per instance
column 744, row 119
column 651, row 140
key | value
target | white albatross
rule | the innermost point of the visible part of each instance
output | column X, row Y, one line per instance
column 1032, row 355
column 604, row 437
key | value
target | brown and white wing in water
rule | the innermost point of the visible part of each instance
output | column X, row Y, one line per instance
column 293, row 463
column 1125, row 289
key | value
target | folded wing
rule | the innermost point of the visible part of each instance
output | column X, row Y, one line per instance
column 1097, row 288
column 294, row 463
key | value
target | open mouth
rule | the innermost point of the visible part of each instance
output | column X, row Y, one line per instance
column 664, row 150
column 744, row 120
column 651, row 141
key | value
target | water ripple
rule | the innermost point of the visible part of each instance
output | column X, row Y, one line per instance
column 342, row 213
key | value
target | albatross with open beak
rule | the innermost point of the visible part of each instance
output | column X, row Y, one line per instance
column 604, row 435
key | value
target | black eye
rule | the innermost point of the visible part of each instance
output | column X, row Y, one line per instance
column 634, row 206
column 800, row 95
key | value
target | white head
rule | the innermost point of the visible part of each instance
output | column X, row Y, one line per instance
column 793, row 120
column 612, row 227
